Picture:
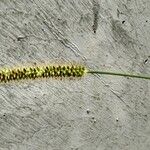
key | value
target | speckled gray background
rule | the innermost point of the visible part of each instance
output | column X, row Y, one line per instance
column 95, row 112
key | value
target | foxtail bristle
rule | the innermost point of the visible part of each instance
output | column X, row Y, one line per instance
column 7, row 75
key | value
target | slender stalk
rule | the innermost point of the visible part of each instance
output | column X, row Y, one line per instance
column 119, row 74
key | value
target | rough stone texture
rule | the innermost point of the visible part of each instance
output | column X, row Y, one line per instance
column 95, row 112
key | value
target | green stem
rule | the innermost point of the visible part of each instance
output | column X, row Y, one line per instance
column 119, row 74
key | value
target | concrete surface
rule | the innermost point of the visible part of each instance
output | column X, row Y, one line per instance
column 95, row 112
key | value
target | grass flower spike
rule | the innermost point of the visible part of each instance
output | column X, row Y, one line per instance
column 61, row 71
column 7, row 75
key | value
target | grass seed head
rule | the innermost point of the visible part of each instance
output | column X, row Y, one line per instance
column 74, row 71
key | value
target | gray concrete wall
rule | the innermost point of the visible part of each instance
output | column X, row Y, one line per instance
column 95, row 112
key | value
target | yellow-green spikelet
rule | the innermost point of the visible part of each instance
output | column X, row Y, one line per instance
column 7, row 75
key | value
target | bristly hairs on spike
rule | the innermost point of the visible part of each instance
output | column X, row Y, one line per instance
column 54, row 71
